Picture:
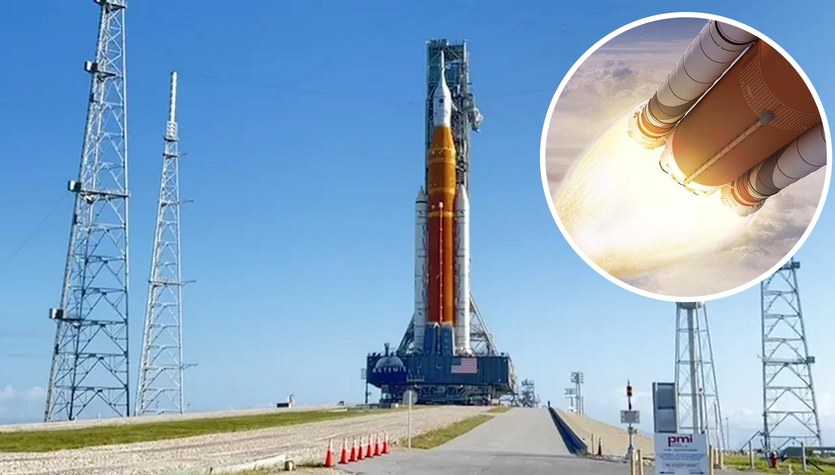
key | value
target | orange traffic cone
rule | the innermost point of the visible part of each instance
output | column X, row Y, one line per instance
column 353, row 457
column 377, row 451
column 386, row 446
column 329, row 455
column 370, row 451
column 361, row 450
column 343, row 457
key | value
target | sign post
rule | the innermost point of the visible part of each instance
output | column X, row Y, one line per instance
column 364, row 377
column 630, row 417
column 410, row 397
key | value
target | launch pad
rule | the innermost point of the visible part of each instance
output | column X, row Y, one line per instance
column 447, row 354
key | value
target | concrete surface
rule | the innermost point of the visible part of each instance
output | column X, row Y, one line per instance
column 521, row 441
column 615, row 440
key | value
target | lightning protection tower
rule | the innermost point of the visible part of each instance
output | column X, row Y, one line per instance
column 529, row 398
column 697, row 399
column 90, row 356
column 161, row 367
column 790, row 411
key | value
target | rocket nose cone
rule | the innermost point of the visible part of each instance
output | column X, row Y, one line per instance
column 442, row 98
column 421, row 195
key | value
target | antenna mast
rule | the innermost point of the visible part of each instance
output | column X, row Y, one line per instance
column 90, row 355
column 161, row 367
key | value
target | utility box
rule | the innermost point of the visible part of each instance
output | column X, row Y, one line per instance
column 665, row 416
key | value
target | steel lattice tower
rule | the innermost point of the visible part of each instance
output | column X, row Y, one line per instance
column 90, row 355
column 790, row 411
column 161, row 370
column 699, row 410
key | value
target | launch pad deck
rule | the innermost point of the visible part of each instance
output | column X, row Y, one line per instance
column 438, row 379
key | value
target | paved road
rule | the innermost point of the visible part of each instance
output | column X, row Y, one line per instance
column 519, row 441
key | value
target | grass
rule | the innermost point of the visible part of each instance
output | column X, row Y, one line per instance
column 741, row 462
column 436, row 437
column 498, row 410
column 51, row 440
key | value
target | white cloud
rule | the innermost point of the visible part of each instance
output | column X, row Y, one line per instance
column 35, row 393
column 7, row 393
column 21, row 404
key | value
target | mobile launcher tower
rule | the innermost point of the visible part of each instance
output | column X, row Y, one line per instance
column 447, row 355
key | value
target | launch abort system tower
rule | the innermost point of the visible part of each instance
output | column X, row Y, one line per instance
column 447, row 355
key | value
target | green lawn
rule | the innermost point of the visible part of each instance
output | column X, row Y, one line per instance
column 50, row 440
column 437, row 437
column 498, row 410
column 741, row 462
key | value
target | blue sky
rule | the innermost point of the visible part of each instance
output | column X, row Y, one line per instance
column 303, row 127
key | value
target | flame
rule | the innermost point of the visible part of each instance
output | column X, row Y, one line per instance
column 630, row 218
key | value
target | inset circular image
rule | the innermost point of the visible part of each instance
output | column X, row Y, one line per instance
column 684, row 157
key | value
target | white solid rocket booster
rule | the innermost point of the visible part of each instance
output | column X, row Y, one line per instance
column 713, row 51
column 419, row 318
column 462, row 271
column 804, row 155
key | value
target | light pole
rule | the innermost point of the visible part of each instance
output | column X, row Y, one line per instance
column 577, row 379
column 629, row 427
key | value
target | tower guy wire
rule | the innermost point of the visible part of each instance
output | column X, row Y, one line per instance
column 89, row 370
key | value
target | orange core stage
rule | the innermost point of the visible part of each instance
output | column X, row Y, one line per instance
column 441, row 228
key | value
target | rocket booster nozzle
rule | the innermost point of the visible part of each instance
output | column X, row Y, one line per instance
column 442, row 99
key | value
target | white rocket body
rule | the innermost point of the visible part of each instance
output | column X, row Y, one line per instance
column 804, row 155
column 462, row 271
column 419, row 318
column 707, row 58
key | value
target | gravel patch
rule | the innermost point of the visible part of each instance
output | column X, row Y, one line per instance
column 302, row 443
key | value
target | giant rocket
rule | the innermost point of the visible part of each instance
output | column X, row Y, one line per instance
column 734, row 116
column 442, row 254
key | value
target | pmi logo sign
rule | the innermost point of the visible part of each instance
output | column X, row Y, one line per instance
column 676, row 440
